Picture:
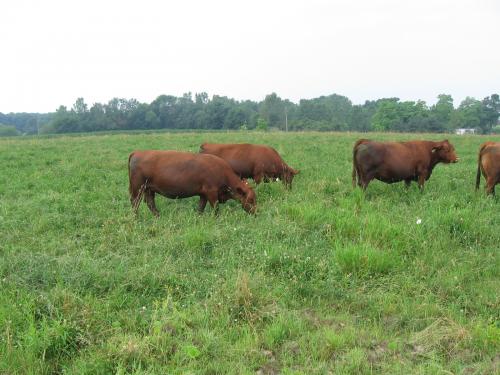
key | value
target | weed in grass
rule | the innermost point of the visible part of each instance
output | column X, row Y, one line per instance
column 365, row 261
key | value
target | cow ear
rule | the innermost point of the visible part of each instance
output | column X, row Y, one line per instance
column 296, row 171
column 437, row 147
column 446, row 145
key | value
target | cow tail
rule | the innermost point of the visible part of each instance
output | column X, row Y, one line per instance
column 478, row 175
column 130, row 175
column 137, row 200
column 355, row 168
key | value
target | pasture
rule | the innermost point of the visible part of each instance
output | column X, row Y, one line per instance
column 324, row 279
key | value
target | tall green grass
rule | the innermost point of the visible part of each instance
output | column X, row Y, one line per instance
column 325, row 279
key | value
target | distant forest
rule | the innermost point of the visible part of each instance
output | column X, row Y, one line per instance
column 326, row 113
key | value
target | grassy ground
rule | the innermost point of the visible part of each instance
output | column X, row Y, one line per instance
column 325, row 279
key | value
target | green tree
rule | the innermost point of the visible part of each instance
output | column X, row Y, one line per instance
column 325, row 113
column 235, row 118
column 360, row 119
column 98, row 120
column 80, row 106
column 8, row 130
column 331, row 112
column 63, row 121
column 490, row 112
column 408, row 116
column 163, row 107
column 201, row 98
column 217, row 110
column 262, row 124
column 442, row 111
column 151, row 120
column 272, row 109
column 468, row 114
column 387, row 115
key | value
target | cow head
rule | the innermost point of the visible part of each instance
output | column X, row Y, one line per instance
column 445, row 152
column 288, row 175
column 245, row 194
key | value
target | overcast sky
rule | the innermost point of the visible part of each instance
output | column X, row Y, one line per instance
column 56, row 51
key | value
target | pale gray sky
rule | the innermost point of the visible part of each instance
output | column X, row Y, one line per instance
column 56, row 51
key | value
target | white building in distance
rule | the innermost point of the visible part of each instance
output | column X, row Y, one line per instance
column 464, row 131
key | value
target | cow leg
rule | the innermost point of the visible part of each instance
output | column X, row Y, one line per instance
column 360, row 184
column 135, row 199
column 361, row 177
column 356, row 175
column 407, row 183
column 149, row 196
column 213, row 199
column 134, row 196
column 287, row 184
column 257, row 177
column 364, row 183
column 136, row 190
column 202, row 204
column 490, row 185
column 365, row 179
column 421, row 181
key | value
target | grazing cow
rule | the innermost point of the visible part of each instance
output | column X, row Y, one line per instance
column 489, row 164
column 258, row 162
column 398, row 161
column 175, row 174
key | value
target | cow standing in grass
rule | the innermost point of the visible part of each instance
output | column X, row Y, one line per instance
column 488, row 164
column 259, row 162
column 175, row 174
column 398, row 161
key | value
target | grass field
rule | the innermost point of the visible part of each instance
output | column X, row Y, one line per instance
column 324, row 279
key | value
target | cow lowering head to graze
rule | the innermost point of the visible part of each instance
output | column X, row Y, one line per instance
column 489, row 164
column 398, row 161
column 259, row 162
column 175, row 174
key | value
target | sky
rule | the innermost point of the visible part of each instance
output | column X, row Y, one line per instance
column 53, row 52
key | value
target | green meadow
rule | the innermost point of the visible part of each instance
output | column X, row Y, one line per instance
column 325, row 279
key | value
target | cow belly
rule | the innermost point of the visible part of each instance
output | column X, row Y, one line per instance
column 174, row 194
column 242, row 168
column 389, row 180
column 175, row 188
column 391, row 174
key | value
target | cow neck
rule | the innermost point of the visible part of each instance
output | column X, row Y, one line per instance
column 434, row 157
column 234, row 182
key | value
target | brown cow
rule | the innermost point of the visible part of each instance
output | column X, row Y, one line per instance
column 398, row 161
column 175, row 174
column 258, row 162
column 489, row 164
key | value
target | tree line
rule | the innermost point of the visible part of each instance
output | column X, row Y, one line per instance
column 325, row 113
